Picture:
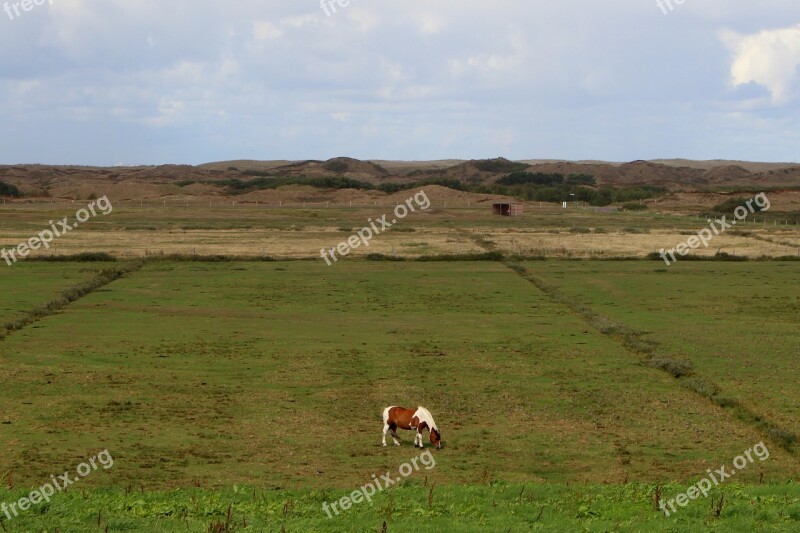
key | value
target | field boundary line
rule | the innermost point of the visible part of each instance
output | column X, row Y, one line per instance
column 757, row 237
column 636, row 342
column 71, row 294
column 682, row 370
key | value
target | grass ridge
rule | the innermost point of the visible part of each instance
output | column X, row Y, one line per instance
column 681, row 369
column 71, row 294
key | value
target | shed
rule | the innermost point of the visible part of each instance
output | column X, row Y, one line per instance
column 508, row 210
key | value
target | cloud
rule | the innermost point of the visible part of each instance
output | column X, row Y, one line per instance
column 101, row 81
column 263, row 30
column 770, row 58
column 430, row 23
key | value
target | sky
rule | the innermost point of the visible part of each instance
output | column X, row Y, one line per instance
column 127, row 82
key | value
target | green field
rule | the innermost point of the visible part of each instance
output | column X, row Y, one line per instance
column 258, row 386
column 38, row 283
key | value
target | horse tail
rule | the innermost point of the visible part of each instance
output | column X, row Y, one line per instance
column 386, row 415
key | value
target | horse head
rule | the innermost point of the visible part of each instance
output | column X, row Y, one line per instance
column 436, row 439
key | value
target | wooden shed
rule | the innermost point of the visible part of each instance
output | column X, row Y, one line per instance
column 508, row 210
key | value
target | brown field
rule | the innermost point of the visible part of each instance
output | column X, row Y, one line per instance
column 295, row 233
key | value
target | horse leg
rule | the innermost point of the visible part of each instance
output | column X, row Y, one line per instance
column 394, row 435
column 418, row 438
column 385, row 430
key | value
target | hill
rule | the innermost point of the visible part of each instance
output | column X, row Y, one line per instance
column 213, row 180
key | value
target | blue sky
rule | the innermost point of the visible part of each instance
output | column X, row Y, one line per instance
column 107, row 82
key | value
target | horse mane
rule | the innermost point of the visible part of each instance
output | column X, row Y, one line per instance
column 425, row 416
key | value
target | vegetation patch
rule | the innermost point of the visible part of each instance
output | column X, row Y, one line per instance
column 83, row 257
column 730, row 205
column 6, row 189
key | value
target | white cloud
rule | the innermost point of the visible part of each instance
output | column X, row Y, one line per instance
column 430, row 23
column 365, row 19
column 769, row 58
column 264, row 30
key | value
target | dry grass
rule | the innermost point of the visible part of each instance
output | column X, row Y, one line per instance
column 301, row 233
column 307, row 243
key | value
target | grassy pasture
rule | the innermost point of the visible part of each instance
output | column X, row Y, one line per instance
column 737, row 323
column 270, row 377
column 258, row 386
column 24, row 286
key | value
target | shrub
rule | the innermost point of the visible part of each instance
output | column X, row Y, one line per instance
column 192, row 258
column 237, row 186
column 384, row 257
column 639, row 345
column 730, row 205
column 676, row 367
column 702, row 386
column 723, row 256
column 450, row 183
column 783, row 437
column 499, row 165
column 719, row 256
column 581, row 179
column 529, row 178
column 726, row 401
column 87, row 257
column 487, row 256
column 6, row 189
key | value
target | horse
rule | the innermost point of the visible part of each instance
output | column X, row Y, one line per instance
column 419, row 419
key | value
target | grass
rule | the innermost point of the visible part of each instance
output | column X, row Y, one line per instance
column 233, row 392
column 415, row 505
column 26, row 286
column 225, row 353
column 294, row 232
column 690, row 313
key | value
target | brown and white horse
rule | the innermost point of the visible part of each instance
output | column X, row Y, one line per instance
column 419, row 419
